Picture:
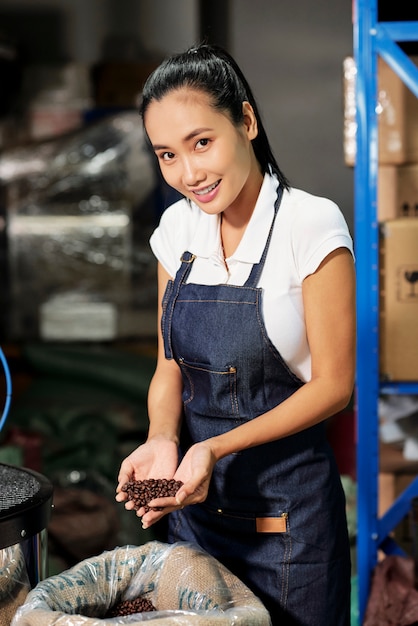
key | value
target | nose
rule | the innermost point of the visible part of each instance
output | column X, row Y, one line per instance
column 192, row 172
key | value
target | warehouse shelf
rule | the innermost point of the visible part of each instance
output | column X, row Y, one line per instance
column 371, row 40
column 399, row 388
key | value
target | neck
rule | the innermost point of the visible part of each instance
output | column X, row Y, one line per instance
column 235, row 218
column 238, row 214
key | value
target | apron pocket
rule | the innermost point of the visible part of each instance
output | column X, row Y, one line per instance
column 209, row 391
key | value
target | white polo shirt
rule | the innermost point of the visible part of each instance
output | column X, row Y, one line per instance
column 306, row 230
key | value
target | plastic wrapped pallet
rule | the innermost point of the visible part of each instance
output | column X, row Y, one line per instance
column 14, row 582
column 79, row 212
column 184, row 584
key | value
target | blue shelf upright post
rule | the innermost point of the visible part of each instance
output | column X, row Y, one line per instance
column 366, row 249
column 372, row 39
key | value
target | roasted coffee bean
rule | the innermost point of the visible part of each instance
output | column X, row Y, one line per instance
column 129, row 607
column 141, row 492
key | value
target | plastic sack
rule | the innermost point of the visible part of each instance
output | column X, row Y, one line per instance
column 183, row 583
column 14, row 582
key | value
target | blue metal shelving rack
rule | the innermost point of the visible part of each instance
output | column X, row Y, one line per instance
column 373, row 38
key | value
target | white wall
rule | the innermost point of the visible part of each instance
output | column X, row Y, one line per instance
column 169, row 26
column 292, row 53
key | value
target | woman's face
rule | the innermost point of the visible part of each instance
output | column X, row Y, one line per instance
column 202, row 154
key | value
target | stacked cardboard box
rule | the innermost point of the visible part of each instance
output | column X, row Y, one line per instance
column 397, row 110
column 399, row 299
column 397, row 213
column 398, row 217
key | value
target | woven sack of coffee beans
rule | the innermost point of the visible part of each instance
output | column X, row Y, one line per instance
column 14, row 582
column 181, row 582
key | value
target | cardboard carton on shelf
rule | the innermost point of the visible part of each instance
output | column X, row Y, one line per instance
column 391, row 485
column 395, row 475
column 397, row 191
column 397, row 116
column 399, row 300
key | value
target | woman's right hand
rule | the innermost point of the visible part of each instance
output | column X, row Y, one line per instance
column 156, row 458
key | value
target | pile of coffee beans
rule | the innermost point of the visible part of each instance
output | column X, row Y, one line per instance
column 141, row 492
column 129, row 607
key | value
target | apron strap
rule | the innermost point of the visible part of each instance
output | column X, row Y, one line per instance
column 173, row 287
column 254, row 277
column 183, row 272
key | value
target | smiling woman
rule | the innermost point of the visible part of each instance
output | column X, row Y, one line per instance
column 204, row 156
column 256, row 290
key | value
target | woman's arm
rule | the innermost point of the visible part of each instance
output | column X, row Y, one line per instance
column 165, row 391
column 158, row 457
column 329, row 304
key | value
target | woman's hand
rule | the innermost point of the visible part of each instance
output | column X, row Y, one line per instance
column 194, row 472
column 157, row 458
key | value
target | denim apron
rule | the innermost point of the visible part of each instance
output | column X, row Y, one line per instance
column 275, row 513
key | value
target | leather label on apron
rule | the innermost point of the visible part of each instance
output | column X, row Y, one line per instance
column 271, row 524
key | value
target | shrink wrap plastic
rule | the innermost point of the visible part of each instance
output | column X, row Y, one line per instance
column 14, row 582
column 184, row 584
column 79, row 213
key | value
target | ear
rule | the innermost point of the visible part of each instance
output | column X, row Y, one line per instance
column 250, row 120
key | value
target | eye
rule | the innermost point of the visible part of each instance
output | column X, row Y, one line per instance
column 202, row 143
column 166, row 156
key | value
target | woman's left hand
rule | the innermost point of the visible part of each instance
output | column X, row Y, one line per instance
column 194, row 472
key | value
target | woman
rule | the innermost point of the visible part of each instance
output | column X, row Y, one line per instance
column 256, row 347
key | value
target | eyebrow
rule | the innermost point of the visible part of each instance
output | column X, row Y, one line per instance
column 194, row 133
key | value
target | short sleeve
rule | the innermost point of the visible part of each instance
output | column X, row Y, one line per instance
column 318, row 229
column 169, row 239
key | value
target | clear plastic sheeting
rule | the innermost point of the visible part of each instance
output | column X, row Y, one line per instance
column 14, row 582
column 184, row 584
column 398, row 423
column 79, row 213
column 109, row 158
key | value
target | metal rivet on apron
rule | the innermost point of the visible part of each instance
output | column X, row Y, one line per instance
column 183, row 260
column 220, row 511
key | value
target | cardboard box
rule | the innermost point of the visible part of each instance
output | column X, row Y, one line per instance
column 395, row 475
column 397, row 191
column 397, row 109
column 398, row 117
column 399, row 300
column 390, row 487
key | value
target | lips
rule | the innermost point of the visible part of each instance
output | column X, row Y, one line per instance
column 206, row 190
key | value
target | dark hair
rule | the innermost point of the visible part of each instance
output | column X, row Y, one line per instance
column 209, row 68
